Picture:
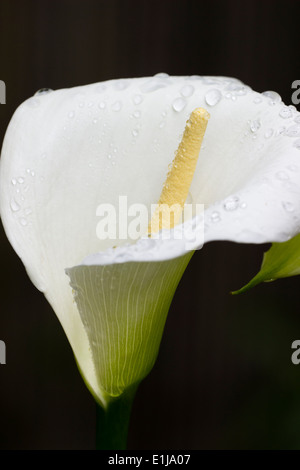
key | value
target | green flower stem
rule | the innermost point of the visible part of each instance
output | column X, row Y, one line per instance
column 113, row 422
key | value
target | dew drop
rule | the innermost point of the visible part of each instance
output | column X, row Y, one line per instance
column 43, row 91
column 243, row 205
column 95, row 121
column 231, row 204
column 179, row 104
column 13, row 181
column 187, row 91
column 15, row 207
column 257, row 100
column 292, row 167
column 255, row 125
column 288, row 206
column 137, row 114
column 121, row 85
column 116, row 106
column 285, row 112
column 135, row 132
column 71, row 114
column 161, row 75
column 293, row 131
column 281, row 130
column 215, row 217
column 162, row 124
column 20, row 180
column 282, row 176
column 297, row 144
column 102, row 105
column 273, row 95
column 23, row 221
column 137, row 99
column 152, row 85
column 269, row 133
column 212, row 97
column 100, row 88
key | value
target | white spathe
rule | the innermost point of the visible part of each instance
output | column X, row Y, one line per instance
column 67, row 151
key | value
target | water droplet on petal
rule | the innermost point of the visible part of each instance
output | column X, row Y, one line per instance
column 292, row 167
column 255, row 125
column 152, row 85
column 231, row 204
column 285, row 112
column 212, row 97
column 273, row 95
column 95, row 120
column 297, row 144
column 43, row 91
column 135, row 132
column 121, row 84
column 15, row 207
column 116, row 106
column 102, row 105
column 257, row 100
column 187, row 91
column 215, row 217
column 137, row 114
column 293, row 131
column 23, row 221
column 20, row 180
column 100, row 88
column 288, row 206
column 13, row 181
column 71, row 114
column 137, row 99
column 282, row 176
column 243, row 205
column 269, row 133
column 161, row 75
column 162, row 124
column 179, row 104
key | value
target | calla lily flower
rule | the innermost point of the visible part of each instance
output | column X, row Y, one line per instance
column 67, row 151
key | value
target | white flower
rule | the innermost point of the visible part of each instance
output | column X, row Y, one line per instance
column 67, row 151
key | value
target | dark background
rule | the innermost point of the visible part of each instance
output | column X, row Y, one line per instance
column 224, row 377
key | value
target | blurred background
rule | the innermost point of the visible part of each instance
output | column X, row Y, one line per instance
column 224, row 378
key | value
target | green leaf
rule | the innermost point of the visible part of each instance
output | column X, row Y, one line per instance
column 282, row 260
